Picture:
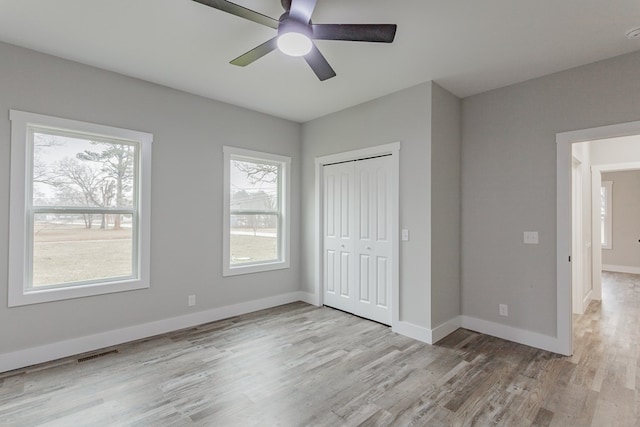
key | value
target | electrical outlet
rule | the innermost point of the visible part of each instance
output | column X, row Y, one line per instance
column 504, row 310
column 191, row 300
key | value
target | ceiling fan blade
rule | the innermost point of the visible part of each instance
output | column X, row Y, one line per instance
column 381, row 33
column 242, row 12
column 256, row 53
column 319, row 64
column 301, row 10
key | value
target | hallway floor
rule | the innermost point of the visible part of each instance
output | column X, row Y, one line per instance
column 607, row 349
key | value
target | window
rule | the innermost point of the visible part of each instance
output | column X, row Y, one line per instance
column 605, row 214
column 79, row 219
column 256, row 205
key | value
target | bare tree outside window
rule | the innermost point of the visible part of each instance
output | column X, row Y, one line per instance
column 71, row 172
column 254, row 210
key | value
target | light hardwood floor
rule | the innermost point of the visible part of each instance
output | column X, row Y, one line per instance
column 298, row 365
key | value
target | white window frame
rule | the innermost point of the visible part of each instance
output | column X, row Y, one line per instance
column 20, row 212
column 608, row 219
column 284, row 226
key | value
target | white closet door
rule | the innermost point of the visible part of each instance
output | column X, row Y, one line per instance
column 373, row 239
column 338, row 236
column 357, row 238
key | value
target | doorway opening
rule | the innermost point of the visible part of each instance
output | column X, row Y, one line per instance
column 589, row 241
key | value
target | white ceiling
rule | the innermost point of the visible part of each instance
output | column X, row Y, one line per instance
column 467, row 46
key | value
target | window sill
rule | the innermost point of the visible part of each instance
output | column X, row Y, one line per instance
column 254, row 268
column 36, row 296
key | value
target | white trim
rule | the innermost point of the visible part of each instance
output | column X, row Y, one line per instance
column 19, row 250
column 564, row 140
column 285, row 209
column 602, row 132
column 426, row 335
column 393, row 149
column 48, row 352
column 361, row 153
column 587, row 299
column 577, row 260
column 616, row 167
column 509, row 333
column 80, row 126
column 415, row 332
column 608, row 224
column 563, row 248
column 309, row 298
column 621, row 268
column 596, row 238
column 443, row 330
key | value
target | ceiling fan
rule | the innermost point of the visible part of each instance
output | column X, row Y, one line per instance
column 296, row 32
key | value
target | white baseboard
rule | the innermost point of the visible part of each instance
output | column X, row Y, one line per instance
column 587, row 300
column 309, row 298
column 446, row 328
column 48, row 352
column 416, row 332
column 621, row 268
column 45, row 353
column 521, row 336
column 426, row 335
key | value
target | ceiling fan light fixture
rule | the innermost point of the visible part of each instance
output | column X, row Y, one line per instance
column 296, row 33
column 294, row 44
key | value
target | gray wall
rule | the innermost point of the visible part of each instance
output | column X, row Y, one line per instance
column 625, row 225
column 446, row 122
column 186, row 199
column 403, row 116
column 509, row 181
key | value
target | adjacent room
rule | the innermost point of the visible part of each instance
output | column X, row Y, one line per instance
column 305, row 212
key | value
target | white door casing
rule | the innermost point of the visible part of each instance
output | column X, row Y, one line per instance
column 577, row 279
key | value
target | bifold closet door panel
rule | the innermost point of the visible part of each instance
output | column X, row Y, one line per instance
column 373, row 245
column 338, row 236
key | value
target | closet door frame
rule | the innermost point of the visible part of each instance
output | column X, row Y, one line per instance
column 392, row 149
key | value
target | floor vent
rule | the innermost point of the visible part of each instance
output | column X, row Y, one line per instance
column 95, row 356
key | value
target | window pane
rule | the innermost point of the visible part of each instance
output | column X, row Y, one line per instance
column 75, row 248
column 72, row 171
column 254, row 186
column 253, row 238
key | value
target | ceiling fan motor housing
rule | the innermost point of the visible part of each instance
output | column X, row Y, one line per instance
column 290, row 25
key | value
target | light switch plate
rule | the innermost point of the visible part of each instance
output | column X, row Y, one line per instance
column 503, row 309
column 405, row 234
column 531, row 237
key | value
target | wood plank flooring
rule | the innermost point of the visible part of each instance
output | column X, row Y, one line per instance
column 298, row 365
